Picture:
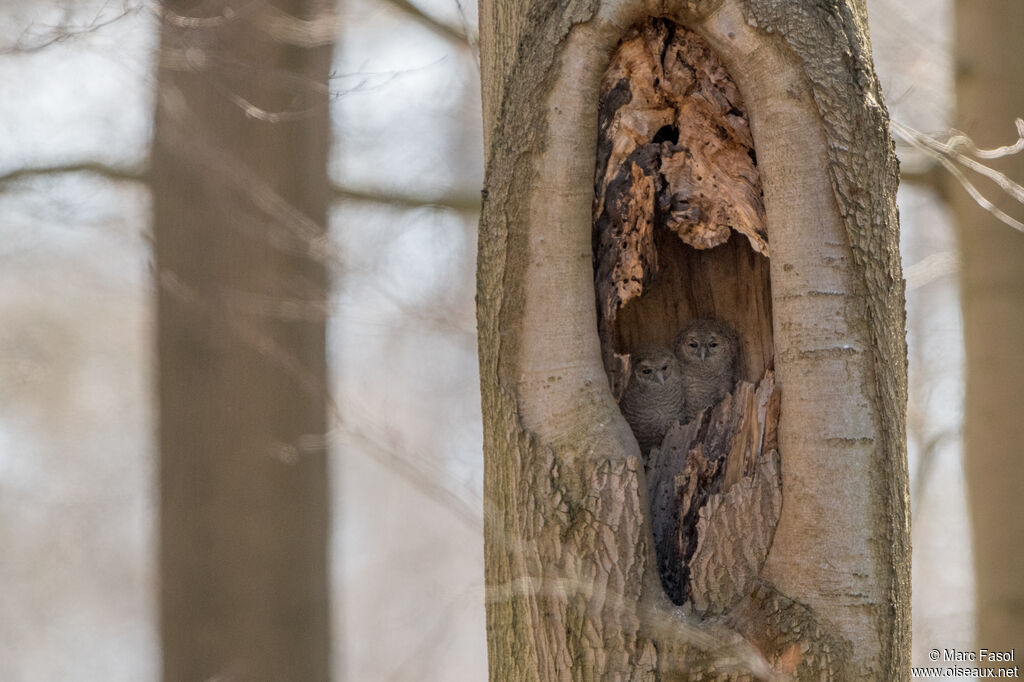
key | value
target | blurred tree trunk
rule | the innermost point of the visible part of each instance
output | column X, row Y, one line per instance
column 239, row 168
column 573, row 589
column 989, row 74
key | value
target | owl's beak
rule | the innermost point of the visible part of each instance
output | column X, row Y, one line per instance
column 661, row 376
column 704, row 352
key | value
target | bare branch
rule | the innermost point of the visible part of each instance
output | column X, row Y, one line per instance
column 960, row 140
column 65, row 31
column 926, row 463
column 281, row 26
column 931, row 268
column 949, row 155
column 227, row 14
column 466, row 203
column 115, row 173
column 921, row 170
column 321, row 30
column 237, row 314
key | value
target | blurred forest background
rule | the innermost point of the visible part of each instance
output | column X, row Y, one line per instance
column 78, row 461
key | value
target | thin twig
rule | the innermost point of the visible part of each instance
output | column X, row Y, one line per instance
column 959, row 139
column 949, row 155
column 466, row 203
column 64, row 32
column 116, row 173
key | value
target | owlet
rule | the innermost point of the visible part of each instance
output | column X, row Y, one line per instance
column 653, row 399
column 707, row 353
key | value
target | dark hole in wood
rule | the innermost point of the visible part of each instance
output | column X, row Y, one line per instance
column 728, row 283
column 667, row 134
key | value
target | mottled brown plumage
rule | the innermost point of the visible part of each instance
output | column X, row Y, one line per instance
column 653, row 399
column 707, row 353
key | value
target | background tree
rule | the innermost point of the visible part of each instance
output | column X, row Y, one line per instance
column 240, row 196
column 992, row 281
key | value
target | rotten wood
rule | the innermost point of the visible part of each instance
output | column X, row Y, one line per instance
column 715, row 498
column 676, row 177
column 673, row 111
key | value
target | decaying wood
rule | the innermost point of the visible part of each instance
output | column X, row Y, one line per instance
column 715, row 498
column 671, row 110
column 734, row 532
column 676, row 176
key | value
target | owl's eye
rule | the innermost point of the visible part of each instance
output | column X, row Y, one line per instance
column 714, row 344
column 693, row 344
column 646, row 370
column 664, row 368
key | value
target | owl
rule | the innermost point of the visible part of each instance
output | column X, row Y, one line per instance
column 653, row 399
column 707, row 354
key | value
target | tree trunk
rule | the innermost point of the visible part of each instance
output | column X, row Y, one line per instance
column 239, row 167
column 988, row 99
column 573, row 584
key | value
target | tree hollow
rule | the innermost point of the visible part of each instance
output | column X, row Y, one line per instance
column 679, row 219
column 680, row 235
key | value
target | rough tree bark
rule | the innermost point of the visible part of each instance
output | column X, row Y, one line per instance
column 240, row 191
column 988, row 99
column 573, row 586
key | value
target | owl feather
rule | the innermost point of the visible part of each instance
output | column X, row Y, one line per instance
column 653, row 398
column 707, row 351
